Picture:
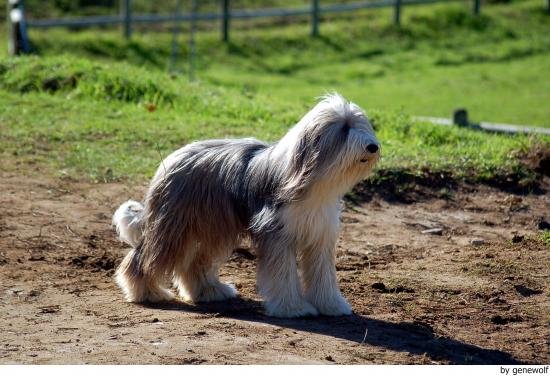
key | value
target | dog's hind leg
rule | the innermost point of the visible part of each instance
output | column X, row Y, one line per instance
column 139, row 286
column 197, row 281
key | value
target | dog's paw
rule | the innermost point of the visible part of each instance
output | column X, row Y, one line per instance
column 216, row 292
column 139, row 290
column 158, row 294
column 337, row 306
column 299, row 309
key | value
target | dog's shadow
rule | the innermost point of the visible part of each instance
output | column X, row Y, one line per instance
column 414, row 338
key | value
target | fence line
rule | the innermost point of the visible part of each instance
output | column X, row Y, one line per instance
column 315, row 11
column 231, row 14
column 126, row 18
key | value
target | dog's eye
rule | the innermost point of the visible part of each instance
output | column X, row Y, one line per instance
column 345, row 128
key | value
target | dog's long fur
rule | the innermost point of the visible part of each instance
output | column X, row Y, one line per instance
column 285, row 197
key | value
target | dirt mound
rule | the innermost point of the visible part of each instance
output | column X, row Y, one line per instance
column 409, row 186
column 538, row 160
column 404, row 186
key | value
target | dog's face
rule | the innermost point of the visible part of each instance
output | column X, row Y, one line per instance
column 335, row 146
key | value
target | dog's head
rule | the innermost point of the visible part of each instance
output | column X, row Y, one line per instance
column 331, row 149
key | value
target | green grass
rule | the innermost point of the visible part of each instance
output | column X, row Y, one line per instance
column 82, row 78
column 79, row 131
column 96, row 106
column 442, row 58
column 544, row 237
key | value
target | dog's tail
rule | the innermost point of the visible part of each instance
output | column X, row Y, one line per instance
column 128, row 222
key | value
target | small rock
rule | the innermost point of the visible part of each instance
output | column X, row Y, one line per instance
column 379, row 286
column 477, row 241
column 433, row 231
column 543, row 224
column 402, row 289
column 329, row 358
column 526, row 291
column 515, row 203
column 496, row 300
column 518, row 238
column 36, row 258
column 155, row 320
column 500, row 320
column 50, row 309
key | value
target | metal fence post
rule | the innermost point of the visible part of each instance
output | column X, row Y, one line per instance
column 18, row 41
column 9, row 28
column 477, row 6
column 460, row 117
column 127, row 17
column 314, row 18
column 397, row 13
column 175, row 34
column 192, row 45
column 226, row 19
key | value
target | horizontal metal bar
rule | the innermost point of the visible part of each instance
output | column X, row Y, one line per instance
column 511, row 128
column 155, row 18
column 420, row 2
column 492, row 127
column 77, row 22
column 334, row 8
column 234, row 14
column 270, row 12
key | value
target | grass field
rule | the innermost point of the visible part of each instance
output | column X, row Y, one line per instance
column 92, row 104
column 440, row 59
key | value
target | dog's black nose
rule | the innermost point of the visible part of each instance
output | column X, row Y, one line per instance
column 372, row 148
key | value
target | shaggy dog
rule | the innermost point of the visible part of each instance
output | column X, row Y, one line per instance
column 285, row 197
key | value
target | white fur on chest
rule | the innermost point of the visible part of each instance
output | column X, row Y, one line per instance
column 312, row 225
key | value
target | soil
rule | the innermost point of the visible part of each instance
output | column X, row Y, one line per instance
column 473, row 289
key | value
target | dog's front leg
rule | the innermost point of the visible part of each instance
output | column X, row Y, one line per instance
column 278, row 280
column 318, row 269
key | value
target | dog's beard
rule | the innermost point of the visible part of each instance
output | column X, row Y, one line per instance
column 341, row 177
column 358, row 163
column 361, row 169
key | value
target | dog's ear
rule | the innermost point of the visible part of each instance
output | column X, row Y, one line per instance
column 299, row 174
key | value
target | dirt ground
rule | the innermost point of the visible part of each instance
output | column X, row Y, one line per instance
column 417, row 297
